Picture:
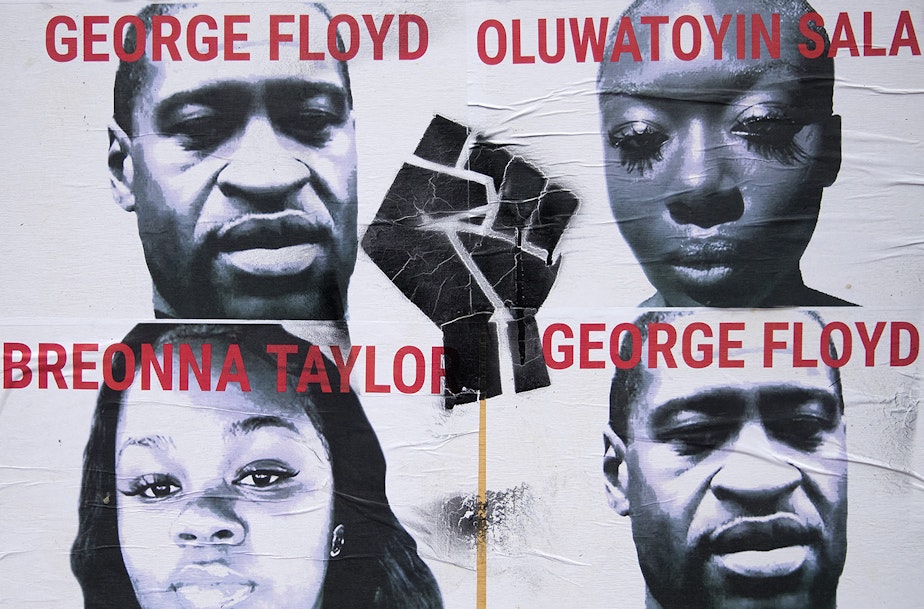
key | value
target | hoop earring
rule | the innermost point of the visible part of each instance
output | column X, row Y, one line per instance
column 337, row 540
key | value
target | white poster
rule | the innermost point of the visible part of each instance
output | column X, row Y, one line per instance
column 494, row 304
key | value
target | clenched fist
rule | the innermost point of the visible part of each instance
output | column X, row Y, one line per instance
column 468, row 233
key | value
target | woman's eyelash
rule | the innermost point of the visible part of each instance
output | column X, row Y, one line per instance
column 772, row 137
column 264, row 477
column 639, row 145
column 153, row 486
column 161, row 486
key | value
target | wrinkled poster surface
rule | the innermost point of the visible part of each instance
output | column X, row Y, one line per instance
column 494, row 304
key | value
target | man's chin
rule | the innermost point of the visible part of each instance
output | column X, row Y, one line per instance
column 794, row 600
column 326, row 305
column 685, row 286
column 304, row 291
column 297, row 298
column 717, row 285
column 792, row 580
column 765, row 595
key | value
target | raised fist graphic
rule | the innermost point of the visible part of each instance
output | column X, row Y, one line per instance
column 468, row 233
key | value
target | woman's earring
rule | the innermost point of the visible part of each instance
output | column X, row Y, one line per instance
column 337, row 541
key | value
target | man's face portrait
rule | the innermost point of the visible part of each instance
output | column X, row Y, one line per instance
column 715, row 167
column 243, row 178
column 736, row 484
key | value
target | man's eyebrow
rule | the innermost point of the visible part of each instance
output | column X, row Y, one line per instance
column 156, row 441
column 795, row 395
column 251, row 424
column 223, row 95
column 719, row 402
column 304, row 88
column 241, row 91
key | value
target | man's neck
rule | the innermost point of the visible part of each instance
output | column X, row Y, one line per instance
column 162, row 309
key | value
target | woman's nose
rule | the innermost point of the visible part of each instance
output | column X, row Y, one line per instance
column 209, row 520
column 699, row 169
column 706, row 194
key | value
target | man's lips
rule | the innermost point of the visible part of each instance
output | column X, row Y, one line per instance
column 774, row 546
column 760, row 533
column 271, row 231
column 272, row 245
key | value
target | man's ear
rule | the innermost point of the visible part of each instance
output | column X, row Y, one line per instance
column 830, row 160
column 615, row 471
column 121, row 169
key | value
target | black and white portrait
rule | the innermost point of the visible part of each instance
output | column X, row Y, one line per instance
column 242, row 175
column 253, row 492
column 715, row 165
column 734, row 478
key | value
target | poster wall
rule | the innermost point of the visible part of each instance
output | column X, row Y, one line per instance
column 494, row 304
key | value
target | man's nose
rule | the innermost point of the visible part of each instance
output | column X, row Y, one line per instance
column 209, row 521
column 260, row 167
column 754, row 474
column 706, row 194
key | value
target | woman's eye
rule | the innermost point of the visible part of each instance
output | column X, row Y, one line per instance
column 639, row 144
column 771, row 137
column 154, row 486
column 263, row 478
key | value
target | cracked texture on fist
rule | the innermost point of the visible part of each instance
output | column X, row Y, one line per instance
column 468, row 233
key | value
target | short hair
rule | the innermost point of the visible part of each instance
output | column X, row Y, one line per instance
column 820, row 78
column 132, row 76
column 627, row 382
column 378, row 566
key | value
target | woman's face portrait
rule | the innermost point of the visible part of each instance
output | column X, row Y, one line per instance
column 713, row 167
column 224, row 497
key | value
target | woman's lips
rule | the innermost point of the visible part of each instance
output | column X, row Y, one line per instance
column 704, row 253
column 272, row 245
column 213, row 595
column 210, row 586
column 704, row 260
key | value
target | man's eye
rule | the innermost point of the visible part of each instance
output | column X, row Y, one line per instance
column 310, row 127
column 802, row 432
column 154, row 486
column 639, row 144
column 696, row 439
column 202, row 133
column 772, row 138
column 263, row 478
